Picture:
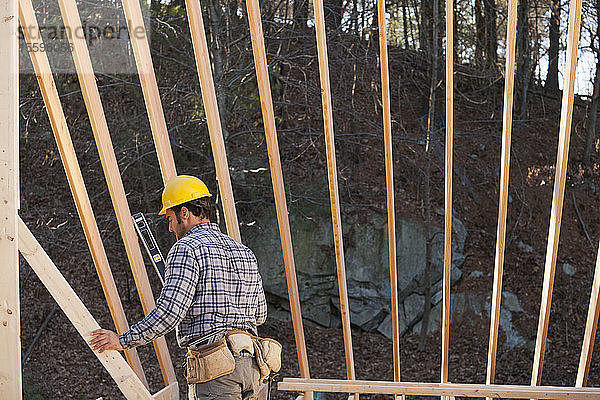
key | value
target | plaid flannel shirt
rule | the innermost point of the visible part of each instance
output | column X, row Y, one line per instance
column 212, row 284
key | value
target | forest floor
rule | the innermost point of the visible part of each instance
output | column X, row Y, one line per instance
column 61, row 366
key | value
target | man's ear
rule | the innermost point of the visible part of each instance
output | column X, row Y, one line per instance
column 185, row 213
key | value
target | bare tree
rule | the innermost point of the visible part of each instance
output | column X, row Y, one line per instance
column 593, row 113
column 491, row 16
column 524, row 55
column 554, row 28
column 426, row 25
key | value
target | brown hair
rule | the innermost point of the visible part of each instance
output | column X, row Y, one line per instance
column 202, row 207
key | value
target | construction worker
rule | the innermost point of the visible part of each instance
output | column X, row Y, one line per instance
column 212, row 287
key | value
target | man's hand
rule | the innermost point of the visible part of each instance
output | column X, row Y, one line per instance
column 103, row 339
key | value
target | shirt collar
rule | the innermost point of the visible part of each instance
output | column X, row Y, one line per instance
column 204, row 225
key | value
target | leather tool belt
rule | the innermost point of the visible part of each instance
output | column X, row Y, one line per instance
column 211, row 361
column 208, row 362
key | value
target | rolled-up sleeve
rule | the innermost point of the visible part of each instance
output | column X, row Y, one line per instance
column 181, row 280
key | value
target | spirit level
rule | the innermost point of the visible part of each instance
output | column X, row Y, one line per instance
column 143, row 230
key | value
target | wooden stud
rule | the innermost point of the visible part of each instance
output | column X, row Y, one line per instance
column 591, row 325
column 80, row 317
column 264, row 89
column 170, row 392
column 141, row 51
column 211, row 108
column 333, row 185
column 10, row 329
column 91, row 97
column 389, row 183
column 511, row 34
column 58, row 122
column 448, row 186
column 559, row 189
column 439, row 389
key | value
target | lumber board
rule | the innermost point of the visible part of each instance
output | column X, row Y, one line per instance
column 389, row 184
column 511, row 34
column 211, row 108
column 591, row 325
column 268, row 114
column 439, row 389
column 445, row 328
column 143, row 60
column 559, row 189
column 333, row 185
column 170, row 392
column 60, row 129
column 10, row 310
column 129, row 384
column 91, row 97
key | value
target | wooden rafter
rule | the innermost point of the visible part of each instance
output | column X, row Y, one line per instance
column 141, row 51
column 58, row 122
column 389, row 183
column 264, row 88
column 559, row 189
column 591, row 325
column 511, row 34
column 211, row 109
column 448, row 187
column 333, row 186
column 91, row 97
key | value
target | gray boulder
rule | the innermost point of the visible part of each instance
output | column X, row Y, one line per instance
column 366, row 260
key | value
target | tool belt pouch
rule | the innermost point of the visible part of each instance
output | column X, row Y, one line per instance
column 209, row 362
column 268, row 356
column 239, row 341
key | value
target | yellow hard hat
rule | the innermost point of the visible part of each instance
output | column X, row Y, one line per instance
column 181, row 189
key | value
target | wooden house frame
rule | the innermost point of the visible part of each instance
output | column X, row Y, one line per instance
column 15, row 237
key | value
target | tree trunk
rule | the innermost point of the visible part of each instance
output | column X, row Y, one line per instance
column 591, row 123
column 405, row 28
column 479, row 33
column 416, row 20
column 363, row 25
column 552, row 76
column 426, row 26
column 491, row 33
column 524, row 54
column 486, row 45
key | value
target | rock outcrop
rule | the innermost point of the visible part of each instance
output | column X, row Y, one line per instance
column 367, row 267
